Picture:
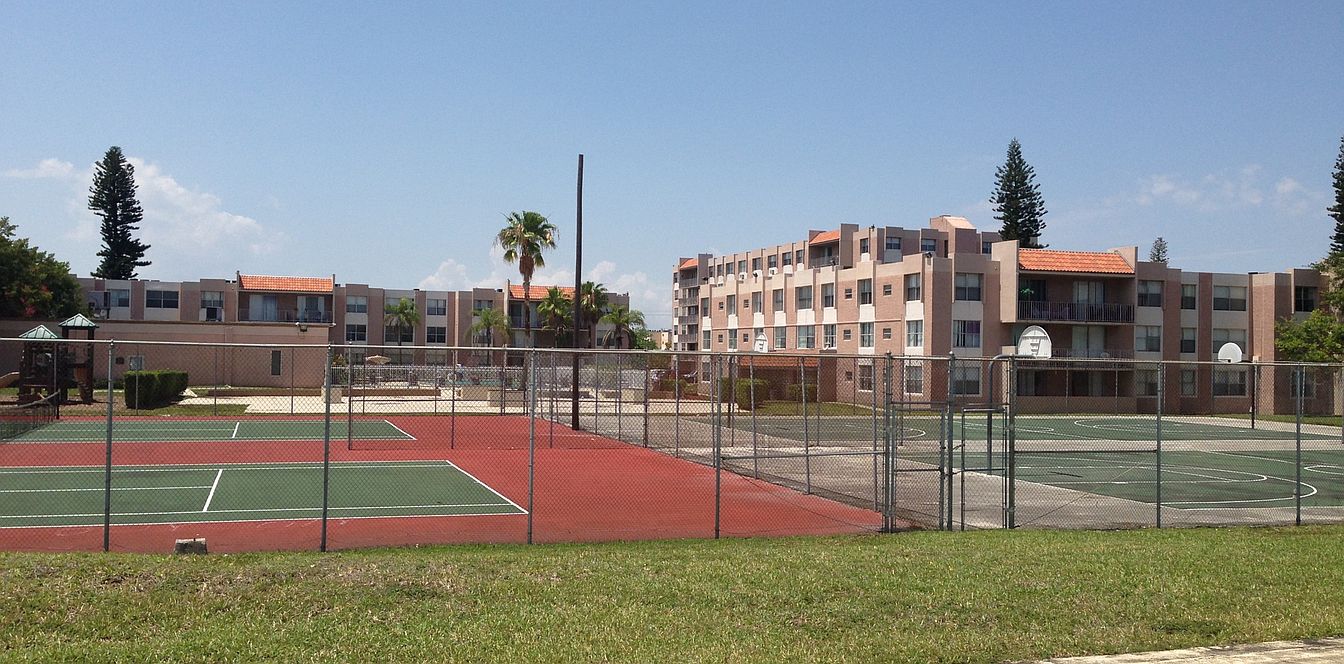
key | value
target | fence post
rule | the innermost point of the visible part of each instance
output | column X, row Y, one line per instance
column 945, row 452
column 1297, row 490
column 620, row 393
column 807, row 445
column 1010, row 461
column 1161, row 393
column 645, row 372
column 751, row 382
column 291, row 380
column 717, row 438
column 326, row 445
column 452, row 396
column 107, row 469
column 529, row 381
column 676, row 407
column 1255, row 391
column 349, row 399
column 886, row 443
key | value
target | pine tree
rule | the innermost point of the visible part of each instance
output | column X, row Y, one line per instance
column 1017, row 200
column 112, row 197
column 1158, row 254
column 1337, row 210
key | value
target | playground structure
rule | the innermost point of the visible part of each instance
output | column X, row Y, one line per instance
column 47, row 367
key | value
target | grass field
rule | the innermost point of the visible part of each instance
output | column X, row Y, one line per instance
column 918, row 597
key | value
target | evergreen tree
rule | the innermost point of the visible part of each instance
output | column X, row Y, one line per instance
column 1337, row 210
column 1017, row 200
column 112, row 197
column 1158, row 254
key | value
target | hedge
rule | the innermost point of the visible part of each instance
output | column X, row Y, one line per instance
column 744, row 390
column 796, row 393
column 151, row 389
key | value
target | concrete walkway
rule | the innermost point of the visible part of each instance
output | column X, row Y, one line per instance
column 1275, row 652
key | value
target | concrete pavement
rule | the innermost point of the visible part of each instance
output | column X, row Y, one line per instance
column 1313, row 651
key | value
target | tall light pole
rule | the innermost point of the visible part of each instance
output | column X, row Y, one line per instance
column 578, row 306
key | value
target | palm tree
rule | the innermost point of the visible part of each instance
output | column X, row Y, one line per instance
column 400, row 316
column 524, row 236
column 592, row 305
column 624, row 321
column 490, row 321
column 557, row 310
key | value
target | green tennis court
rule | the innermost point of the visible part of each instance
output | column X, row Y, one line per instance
column 925, row 427
column 73, row 496
column 166, row 430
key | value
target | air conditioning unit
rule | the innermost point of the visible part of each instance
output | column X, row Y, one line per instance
column 742, row 277
column 774, row 271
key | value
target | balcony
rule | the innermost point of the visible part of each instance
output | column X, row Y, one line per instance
column 824, row 261
column 1094, row 353
column 284, row 316
column 1075, row 312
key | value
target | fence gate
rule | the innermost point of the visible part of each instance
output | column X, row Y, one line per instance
column 975, row 460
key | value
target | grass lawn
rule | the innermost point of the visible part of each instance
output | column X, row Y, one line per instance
column 796, row 408
column 916, row 597
column 1327, row 420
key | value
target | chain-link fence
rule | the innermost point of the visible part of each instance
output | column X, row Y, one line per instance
column 321, row 447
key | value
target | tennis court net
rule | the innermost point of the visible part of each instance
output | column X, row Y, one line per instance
column 20, row 419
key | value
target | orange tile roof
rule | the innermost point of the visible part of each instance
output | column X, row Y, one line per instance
column 689, row 263
column 538, row 291
column 299, row 284
column 1095, row 262
column 827, row 236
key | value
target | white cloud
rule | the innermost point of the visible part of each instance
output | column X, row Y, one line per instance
column 451, row 275
column 1244, row 189
column 47, row 168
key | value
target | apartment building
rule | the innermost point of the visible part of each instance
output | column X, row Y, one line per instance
column 952, row 290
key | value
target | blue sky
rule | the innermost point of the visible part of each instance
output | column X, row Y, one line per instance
column 385, row 142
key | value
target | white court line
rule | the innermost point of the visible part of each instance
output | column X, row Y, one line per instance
column 400, row 430
column 486, row 486
column 273, row 509
column 184, row 468
column 99, row 488
column 213, row 487
column 235, row 429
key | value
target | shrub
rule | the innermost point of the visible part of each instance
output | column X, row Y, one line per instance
column 796, row 392
column 742, row 390
column 151, row 389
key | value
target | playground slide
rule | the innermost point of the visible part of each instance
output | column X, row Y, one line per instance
column 9, row 379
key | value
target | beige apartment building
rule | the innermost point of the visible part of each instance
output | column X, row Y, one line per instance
column 953, row 290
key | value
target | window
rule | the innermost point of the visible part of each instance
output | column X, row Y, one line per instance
column 914, row 380
column 160, row 299
column 1145, row 382
column 720, row 305
column 966, row 380
column 720, row 338
column 275, row 362
column 914, row 333
column 1031, row 290
column 704, row 305
column 436, row 335
column 849, row 293
column 1187, row 340
column 928, row 245
column 781, row 337
column 798, row 257
column 1308, row 386
column 354, row 332
column 849, row 334
column 705, row 340
column 865, row 335
column 893, row 243
column 865, row 291
column 865, row 378
column 777, row 299
column 787, row 257
column 1304, row 298
column 1229, row 298
column 756, row 264
column 828, row 336
column 732, row 304
column 807, row 336
column 757, row 302
column 803, row 297
column 986, row 246
column 212, row 299
column 886, row 334
column 1222, row 336
column 828, row 296
column 478, row 305
column 1188, row 292
column 1148, row 338
column 968, row 286
column 119, row 297
column 1188, row 382
column 912, row 287
column 863, row 245
column 966, row 334
column 732, row 339
column 772, row 260
column 390, row 335
column 742, row 266
column 359, row 304
column 1150, row 293
column 1229, row 382
column 436, row 307
column 886, row 290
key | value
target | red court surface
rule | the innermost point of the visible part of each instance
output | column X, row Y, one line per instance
column 588, row 488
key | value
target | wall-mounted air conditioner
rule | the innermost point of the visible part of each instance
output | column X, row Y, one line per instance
column 774, row 271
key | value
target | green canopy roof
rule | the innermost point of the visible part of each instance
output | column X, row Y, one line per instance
column 39, row 332
column 78, row 320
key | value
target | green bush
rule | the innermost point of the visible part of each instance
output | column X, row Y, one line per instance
column 151, row 389
column 741, row 392
column 796, row 392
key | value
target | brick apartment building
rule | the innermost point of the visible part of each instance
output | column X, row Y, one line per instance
column 952, row 290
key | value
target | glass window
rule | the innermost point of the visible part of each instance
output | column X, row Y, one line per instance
column 928, row 245
column 863, row 245
column 1148, row 338
column 1229, row 382
column 1188, row 292
column 1188, row 382
column 781, row 337
column 1187, row 340
column 436, row 307
column 1229, row 298
column 212, row 299
column 787, row 257
column 742, row 266
column 772, row 260
column 119, row 297
column 436, row 335
column 390, row 335
column 828, row 296
column 914, row 379
column 756, row 264
column 912, row 286
column 968, row 286
column 704, row 305
column 798, row 257
column 966, row 380
column 1223, row 335
column 849, row 334
column 732, row 340
column 355, row 332
column 886, row 334
column 757, row 302
column 705, row 340
column 803, row 297
column 160, row 299
column 893, row 243
column 966, row 334
column 1145, row 382
column 359, row 304
column 276, row 360
column 1150, row 293
column 1031, row 290
column 732, row 304
column 886, row 290
column 986, row 246
column 865, row 378
column 828, row 336
column 865, row 291
column 807, row 336
column 777, row 299
column 914, row 333
column 865, row 335
column 1304, row 298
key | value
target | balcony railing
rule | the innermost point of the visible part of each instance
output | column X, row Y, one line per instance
column 824, row 261
column 284, row 316
column 1094, row 353
column 1076, row 312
